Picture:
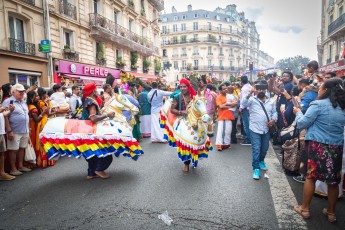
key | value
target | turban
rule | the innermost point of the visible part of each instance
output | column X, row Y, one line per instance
column 89, row 88
column 190, row 88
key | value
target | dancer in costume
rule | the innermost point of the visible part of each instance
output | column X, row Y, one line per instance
column 92, row 112
column 179, row 106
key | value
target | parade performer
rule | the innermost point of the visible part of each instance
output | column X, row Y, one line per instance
column 183, row 118
column 92, row 112
column 95, row 137
column 145, row 118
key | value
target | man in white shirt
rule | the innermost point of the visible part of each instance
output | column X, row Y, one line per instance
column 246, row 88
column 155, row 97
column 75, row 103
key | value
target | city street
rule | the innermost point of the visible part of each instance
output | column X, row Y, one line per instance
column 219, row 194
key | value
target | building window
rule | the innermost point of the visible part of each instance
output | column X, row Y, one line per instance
column 195, row 25
column 184, row 51
column 207, row 16
column 231, row 64
column 341, row 11
column 24, row 78
column 210, row 64
column 175, row 64
column 68, row 38
column 183, row 27
column 164, row 29
column 184, row 65
column 330, row 18
column 228, row 19
column 209, row 50
column 175, row 18
column 16, row 28
column 195, row 36
column 184, row 17
column 195, row 15
column 209, row 26
column 220, row 63
column 230, row 29
column 217, row 17
column 165, row 53
column 231, row 51
column 196, row 63
column 174, row 28
column 130, row 25
column 221, row 51
column 165, row 19
column 220, row 28
column 195, row 50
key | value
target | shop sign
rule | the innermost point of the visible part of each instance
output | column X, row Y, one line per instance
column 66, row 67
column 335, row 66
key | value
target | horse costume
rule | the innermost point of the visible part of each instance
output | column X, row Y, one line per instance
column 188, row 135
column 61, row 136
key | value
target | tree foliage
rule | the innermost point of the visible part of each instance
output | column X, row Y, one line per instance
column 293, row 64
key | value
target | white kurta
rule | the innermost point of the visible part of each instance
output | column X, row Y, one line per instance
column 157, row 133
column 145, row 125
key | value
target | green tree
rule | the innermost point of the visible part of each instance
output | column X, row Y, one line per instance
column 293, row 63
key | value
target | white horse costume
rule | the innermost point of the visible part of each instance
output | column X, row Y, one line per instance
column 188, row 135
column 77, row 138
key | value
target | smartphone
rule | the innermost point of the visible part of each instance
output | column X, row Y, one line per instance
column 11, row 102
column 36, row 83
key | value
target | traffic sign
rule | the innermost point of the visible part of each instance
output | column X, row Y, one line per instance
column 45, row 46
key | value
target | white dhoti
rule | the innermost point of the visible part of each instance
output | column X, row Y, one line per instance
column 145, row 125
column 223, row 139
column 157, row 133
column 321, row 187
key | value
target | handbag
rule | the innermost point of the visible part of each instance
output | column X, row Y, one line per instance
column 292, row 155
column 290, row 132
column 30, row 154
column 274, row 128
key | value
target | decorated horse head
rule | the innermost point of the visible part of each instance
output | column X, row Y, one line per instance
column 61, row 136
column 188, row 134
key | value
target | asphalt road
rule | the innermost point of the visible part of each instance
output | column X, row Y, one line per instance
column 219, row 194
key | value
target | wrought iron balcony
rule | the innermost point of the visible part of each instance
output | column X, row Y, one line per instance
column 202, row 40
column 22, row 47
column 338, row 23
column 101, row 62
column 175, row 55
column 31, row 2
column 105, row 29
column 158, row 4
column 70, row 54
column 68, row 9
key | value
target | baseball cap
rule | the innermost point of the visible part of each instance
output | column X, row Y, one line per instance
column 18, row 87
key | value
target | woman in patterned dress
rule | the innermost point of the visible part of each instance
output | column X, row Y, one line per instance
column 324, row 120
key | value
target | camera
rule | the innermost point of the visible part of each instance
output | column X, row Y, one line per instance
column 261, row 87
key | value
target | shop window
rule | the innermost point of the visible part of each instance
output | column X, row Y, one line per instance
column 24, row 79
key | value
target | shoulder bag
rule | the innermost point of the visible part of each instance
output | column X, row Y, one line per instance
column 274, row 129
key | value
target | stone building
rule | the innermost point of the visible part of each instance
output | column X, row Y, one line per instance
column 218, row 43
column 331, row 43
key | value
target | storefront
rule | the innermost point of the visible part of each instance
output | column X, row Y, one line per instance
column 16, row 68
column 338, row 67
column 71, row 73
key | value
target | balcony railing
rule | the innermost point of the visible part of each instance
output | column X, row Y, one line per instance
column 22, row 47
column 101, row 62
column 212, row 68
column 201, row 40
column 120, row 34
column 202, row 29
column 68, row 9
column 339, row 22
column 71, row 55
column 175, row 55
column 31, row 2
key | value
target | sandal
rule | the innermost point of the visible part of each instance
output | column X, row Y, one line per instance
column 330, row 215
column 303, row 212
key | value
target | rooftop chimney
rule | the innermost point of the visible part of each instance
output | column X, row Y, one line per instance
column 173, row 9
column 189, row 7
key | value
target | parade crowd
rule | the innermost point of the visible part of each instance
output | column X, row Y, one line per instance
column 303, row 115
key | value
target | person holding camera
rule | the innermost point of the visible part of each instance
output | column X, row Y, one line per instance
column 259, row 125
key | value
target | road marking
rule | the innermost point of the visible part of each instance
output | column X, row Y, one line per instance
column 282, row 195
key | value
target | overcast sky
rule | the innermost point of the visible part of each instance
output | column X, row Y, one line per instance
column 287, row 27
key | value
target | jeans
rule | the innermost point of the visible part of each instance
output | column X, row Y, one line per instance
column 260, row 144
column 98, row 164
column 234, row 130
column 245, row 119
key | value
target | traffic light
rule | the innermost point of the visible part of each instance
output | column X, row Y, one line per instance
column 251, row 65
